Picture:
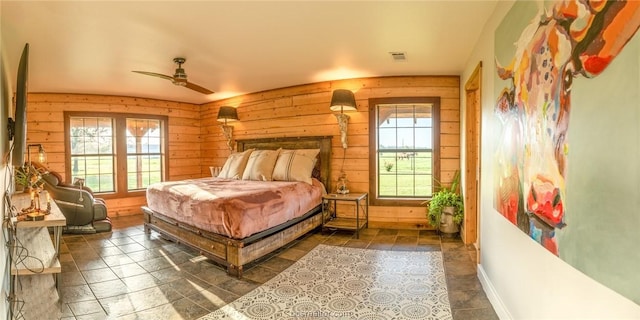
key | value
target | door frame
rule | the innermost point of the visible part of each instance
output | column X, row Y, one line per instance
column 472, row 143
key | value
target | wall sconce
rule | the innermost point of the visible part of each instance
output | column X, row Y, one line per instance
column 343, row 100
column 227, row 114
column 42, row 156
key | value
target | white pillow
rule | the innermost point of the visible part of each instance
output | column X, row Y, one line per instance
column 235, row 164
column 260, row 165
column 295, row 165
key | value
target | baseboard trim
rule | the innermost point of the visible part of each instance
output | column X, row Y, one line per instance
column 399, row 225
column 492, row 295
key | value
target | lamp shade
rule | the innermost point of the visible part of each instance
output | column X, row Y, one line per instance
column 343, row 100
column 227, row 114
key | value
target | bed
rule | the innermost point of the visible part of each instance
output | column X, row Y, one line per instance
column 236, row 247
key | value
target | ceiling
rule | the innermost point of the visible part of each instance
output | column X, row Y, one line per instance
column 234, row 47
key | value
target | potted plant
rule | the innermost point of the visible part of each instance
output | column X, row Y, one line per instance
column 445, row 210
column 28, row 177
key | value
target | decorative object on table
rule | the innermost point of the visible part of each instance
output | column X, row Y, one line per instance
column 48, row 202
column 445, row 210
column 341, row 186
column 29, row 176
column 227, row 114
column 34, row 211
column 35, row 216
column 343, row 100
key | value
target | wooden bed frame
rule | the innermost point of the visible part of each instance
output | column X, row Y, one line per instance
column 233, row 253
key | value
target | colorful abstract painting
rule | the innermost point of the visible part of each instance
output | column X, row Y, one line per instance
column 563, row 42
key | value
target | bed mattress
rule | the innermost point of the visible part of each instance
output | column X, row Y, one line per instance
column 233, row 208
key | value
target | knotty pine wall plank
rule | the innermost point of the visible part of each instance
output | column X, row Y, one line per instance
column 304, row 111
column 45, row 124
column 196, row 142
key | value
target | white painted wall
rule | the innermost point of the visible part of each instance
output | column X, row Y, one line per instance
column 521, row 278
column 4, row 272
column 4, row 113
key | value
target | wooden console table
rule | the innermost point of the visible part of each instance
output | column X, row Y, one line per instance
column 43, row 259
column 34, row 236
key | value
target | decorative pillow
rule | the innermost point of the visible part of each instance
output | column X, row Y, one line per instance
column 235, row 164
column 295, row 165
column 260, row 165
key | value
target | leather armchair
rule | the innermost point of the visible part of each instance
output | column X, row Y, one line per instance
column 84, row 212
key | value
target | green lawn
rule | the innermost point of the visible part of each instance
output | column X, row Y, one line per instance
column 98, row 172
column 409, row 176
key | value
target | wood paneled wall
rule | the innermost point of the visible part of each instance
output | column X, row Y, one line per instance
column 196, row 141
column 304, row 111
column 45, row 124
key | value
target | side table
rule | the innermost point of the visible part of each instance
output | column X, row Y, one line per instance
column 336, row 221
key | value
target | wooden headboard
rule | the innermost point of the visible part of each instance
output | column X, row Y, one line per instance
column 322, row 170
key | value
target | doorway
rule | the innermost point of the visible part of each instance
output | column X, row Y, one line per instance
column 471, row 223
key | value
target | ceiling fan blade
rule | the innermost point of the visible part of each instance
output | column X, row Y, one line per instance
column 179, row 78
column 198, row 88
column 153, row 74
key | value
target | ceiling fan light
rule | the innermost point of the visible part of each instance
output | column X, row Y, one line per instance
column 180, row 82
column 180, row 74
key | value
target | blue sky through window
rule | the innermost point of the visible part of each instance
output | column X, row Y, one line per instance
column 401, row 130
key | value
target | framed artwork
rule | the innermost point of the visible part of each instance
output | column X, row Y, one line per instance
column 545, row 51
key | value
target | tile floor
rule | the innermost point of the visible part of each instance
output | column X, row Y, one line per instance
column 126, row 274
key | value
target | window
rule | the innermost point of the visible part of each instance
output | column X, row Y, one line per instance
column 144, row 153
column 95, row 154
column 404, row 150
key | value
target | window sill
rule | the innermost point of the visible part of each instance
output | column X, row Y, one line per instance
column 114, row 195
column 398, row 202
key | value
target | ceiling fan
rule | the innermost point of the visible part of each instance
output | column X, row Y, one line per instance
column 179, row 78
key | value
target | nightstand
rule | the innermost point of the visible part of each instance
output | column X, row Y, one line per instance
column 357, row 220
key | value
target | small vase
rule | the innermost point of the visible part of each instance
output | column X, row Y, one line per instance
column 341, row 186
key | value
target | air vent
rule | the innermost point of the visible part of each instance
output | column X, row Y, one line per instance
column 398, row 56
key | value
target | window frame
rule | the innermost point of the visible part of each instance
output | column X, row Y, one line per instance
column 120, row 141
column 374, row 198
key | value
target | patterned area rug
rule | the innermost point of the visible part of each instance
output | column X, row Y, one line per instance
column 347, row 283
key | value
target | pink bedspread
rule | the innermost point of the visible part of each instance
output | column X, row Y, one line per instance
column 234, row 208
